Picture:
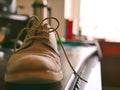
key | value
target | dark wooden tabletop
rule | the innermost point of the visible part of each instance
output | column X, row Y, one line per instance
column 77, row 55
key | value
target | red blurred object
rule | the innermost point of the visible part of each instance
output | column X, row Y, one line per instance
column 69, row 26
column 110, row 48
column 110, row 63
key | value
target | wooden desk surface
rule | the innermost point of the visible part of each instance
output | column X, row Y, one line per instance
column 77, row 56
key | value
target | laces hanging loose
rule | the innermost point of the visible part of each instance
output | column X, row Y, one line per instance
column 51, row 29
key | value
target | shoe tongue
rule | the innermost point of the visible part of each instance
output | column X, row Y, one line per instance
column 49, row 40
column 43, row 41
column 42, row 33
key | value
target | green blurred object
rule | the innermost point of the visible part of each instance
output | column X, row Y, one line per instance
column 63, row 40
column 10, row 44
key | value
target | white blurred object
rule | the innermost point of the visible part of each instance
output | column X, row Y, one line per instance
column 1, row 54
column 72, row 9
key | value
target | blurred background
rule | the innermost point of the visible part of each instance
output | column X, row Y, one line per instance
column 79, row 19
column 14, row 15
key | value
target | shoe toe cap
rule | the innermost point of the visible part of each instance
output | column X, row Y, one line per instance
column 33, row 62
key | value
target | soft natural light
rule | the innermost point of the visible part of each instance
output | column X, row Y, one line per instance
column 100, row 19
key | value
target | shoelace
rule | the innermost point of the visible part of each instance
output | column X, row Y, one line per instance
column 50, row 30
